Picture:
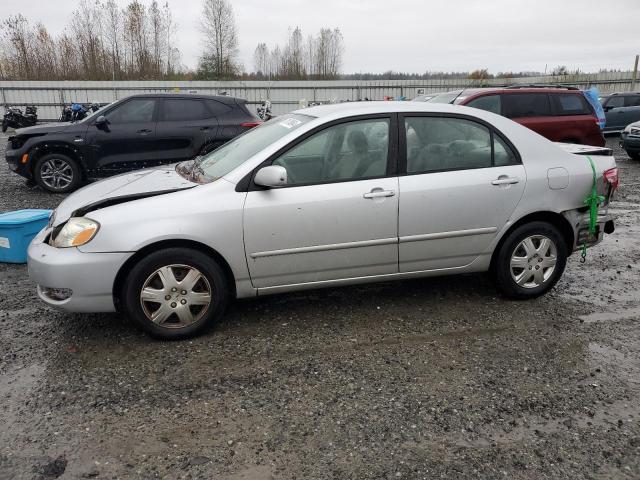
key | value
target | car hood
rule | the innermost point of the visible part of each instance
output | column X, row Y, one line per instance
column 119, row 189
column 46, row 128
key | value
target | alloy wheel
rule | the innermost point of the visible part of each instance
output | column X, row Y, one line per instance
column 56, row 173
column 175, row 296
column 533, row 261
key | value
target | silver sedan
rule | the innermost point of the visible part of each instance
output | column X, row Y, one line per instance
column 326, row 196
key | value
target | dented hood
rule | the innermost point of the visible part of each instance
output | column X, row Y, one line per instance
column 119, row 189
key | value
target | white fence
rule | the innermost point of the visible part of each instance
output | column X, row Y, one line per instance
column 284, row 95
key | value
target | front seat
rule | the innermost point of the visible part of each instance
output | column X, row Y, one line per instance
column 355, row 163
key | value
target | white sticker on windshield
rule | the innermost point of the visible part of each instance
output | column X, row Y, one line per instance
column 290, row 122
column 4, row 242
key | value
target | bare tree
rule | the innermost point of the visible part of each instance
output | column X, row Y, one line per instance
column 261, row 60
column 221, row 41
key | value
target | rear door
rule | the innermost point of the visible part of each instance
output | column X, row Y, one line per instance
column 463, row 181
column 580, row 124
column 128, row 141
column 533, row 110
column 185, row 126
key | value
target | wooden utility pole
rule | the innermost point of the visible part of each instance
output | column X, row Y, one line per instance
column 635, row 74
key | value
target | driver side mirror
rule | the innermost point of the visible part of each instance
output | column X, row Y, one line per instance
column 102, row 122
column 273, row 176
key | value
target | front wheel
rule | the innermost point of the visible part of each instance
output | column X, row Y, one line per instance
column 633, row 155
column 57, row 173
column 530, row 261
column 175, row 293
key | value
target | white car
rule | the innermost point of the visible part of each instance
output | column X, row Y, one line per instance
column 325, row 196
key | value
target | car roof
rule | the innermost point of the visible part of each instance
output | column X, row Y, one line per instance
column 367, row 108
column 223, row 98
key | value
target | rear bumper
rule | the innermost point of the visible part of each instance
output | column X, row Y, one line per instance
column 89, row 276
column 580, row 223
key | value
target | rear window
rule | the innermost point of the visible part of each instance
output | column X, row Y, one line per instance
column 448, row 97
column 217, row 108
column 517, row 105
column 571, row 104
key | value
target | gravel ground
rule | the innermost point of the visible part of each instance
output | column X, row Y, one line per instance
column 435, row 378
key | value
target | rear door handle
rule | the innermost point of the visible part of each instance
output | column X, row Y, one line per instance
column 205, row 128
column 143, row 131
column 502, row 180
column 379, row 193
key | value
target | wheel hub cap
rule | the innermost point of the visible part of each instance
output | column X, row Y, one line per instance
column 533, row 261
column 56, row 173
column 175, row 296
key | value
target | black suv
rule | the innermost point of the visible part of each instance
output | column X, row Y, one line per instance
column 135, row 132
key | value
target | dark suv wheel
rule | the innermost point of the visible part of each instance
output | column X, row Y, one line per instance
column 57, row 173
column 175, row 293
column 633, row 155
column 530, row 260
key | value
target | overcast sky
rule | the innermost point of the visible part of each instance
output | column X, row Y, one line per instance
column 414, row 35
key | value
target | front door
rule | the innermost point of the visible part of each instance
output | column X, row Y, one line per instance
column 458, row 191
column 127, row 142
column 337, row 217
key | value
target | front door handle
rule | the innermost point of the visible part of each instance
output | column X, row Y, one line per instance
column 504, row 180
column 143, row 131
column 379, row 193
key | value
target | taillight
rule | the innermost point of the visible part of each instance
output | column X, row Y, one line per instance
column 611, row 177
column 250, row 124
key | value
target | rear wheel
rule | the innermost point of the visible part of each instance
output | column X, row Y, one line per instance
column 5, row 126
column 57, row 173
column 530, row 261
column 175, row 293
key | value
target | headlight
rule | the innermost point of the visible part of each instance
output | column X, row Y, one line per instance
column 77, row 231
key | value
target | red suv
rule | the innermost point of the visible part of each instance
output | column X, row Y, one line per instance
column 561, row 114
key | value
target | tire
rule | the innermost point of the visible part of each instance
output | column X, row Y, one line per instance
column 530, row 255
column 633, row 155
column 177, row 317
column 57, row 173
column 4, row 126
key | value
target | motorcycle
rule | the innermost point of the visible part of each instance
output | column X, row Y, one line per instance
column 14, row 118
column 264, row 111
column 77, row 111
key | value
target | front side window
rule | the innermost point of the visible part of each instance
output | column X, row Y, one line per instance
column 518, row 105
column 347, row 151
column 615, row 102
column 491, row 103
column 632, row 100
column 440, row 144
column 179, row 110
column 138, row 110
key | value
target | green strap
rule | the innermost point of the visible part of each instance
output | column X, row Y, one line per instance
column 593, row 201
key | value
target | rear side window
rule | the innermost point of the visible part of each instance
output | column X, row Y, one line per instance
column 491, row 103
column 571, row 104
column 518, row 105
column 217, row 108
column 440, row 144
column 181, row 109
column 502, row 153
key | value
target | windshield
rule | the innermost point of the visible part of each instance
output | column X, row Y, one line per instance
column 233, row 154
column 448, row 97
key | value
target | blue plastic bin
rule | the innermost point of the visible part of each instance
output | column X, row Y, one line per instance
column 17, row 229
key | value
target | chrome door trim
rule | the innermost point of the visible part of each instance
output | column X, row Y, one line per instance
column 451, row 234
column 324, row 248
